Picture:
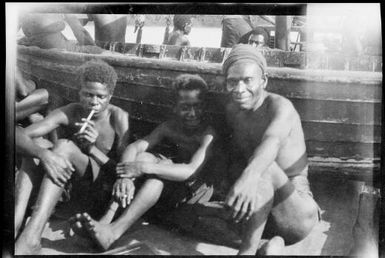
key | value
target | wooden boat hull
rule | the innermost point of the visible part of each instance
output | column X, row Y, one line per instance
column 340, row 110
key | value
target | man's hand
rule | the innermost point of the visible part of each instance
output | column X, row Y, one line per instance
column 123, row 191
column 88, row 137
column 129, row 169
column 242, row 199
column 58, row 168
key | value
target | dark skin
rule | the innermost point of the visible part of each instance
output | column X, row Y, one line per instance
column 99, row 134
column 193, row 139
column 179, row 36
column 268, row 138
column 109, row 27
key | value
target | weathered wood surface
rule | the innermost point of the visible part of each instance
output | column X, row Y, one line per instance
column 274, row 57
column 340, row 110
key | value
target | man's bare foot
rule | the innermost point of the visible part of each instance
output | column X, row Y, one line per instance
column 274, row 246
column 101, row 233
column 25, row 246
column 77, row 226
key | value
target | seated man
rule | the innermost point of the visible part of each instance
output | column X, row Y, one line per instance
column 101, row 136
column 186, row 180
column 258, row 38
column 270, row 190
column 182, row 27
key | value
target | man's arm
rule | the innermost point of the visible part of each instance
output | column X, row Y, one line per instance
column 242, row 197
column 181, row 172
column 26, row 146
column 58, row 169
column 52, row 121
column 141, row 145
column 178, row 172
column 81, row 34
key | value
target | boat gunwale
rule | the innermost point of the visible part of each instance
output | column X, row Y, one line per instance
column 118, row 59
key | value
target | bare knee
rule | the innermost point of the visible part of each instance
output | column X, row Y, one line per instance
column 43, row 96
column 65, row 148
column 265, row 198
column 303, row 226
column 146, row 157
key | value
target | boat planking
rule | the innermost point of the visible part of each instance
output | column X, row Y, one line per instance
column 340, row 110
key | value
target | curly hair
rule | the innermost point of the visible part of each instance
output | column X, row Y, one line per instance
column 181, row 20
column 98, row 71
column 190, row 82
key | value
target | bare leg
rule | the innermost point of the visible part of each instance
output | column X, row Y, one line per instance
column 274, row 246
column 294, row 216
column 29, row 240
column 49, row 194
column 253, row 228
column 76, row 221
column 106, row 234
column 26, row 178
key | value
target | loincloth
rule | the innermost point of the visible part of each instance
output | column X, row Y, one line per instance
column 88, row 193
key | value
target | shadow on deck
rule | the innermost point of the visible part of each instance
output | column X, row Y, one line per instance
column 338, row 199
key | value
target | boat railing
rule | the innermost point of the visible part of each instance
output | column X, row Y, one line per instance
column 274, row 57
column 340, row 110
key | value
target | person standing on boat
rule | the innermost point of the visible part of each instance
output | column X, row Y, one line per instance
column 167, row 186
column 182, row 27
column 233, row 28
column 85, row 154
column 109, row 27
column 270, row 191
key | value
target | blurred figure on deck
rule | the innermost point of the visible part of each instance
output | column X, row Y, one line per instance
column 233, row 28
column 182, row 27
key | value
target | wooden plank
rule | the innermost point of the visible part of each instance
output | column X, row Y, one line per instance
column 346, row 150
column 313, row 115
column 327, row 91
column 274, row 57
column 203, row 68
column 164, row 78
column 340, row 111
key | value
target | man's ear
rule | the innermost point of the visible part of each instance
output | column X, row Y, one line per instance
column 265, row 80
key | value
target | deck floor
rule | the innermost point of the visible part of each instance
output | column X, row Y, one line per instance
column 337, row 198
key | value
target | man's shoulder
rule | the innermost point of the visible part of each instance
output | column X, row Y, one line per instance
column 279, row 103
column 117, row 110
column 71, row 108
column 278, row 100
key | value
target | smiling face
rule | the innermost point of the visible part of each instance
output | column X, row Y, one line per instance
column 246, row 84
column 189, row 108
column 94, row 95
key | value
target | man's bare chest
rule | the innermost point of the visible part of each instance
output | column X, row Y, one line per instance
column 185, row 146
column 248, row 131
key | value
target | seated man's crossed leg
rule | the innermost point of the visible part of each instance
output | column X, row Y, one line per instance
column 48, row 196
column 106, row 233
column 284, row 210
